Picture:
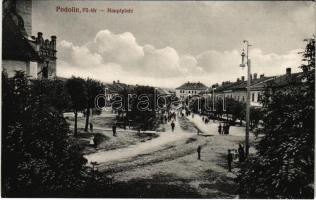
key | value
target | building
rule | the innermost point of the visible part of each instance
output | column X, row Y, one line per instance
column 238, row 90
column 116, row 88
column 21, row 51
column 190, row 89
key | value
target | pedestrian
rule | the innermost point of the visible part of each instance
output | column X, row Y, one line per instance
column 199, row 152
column 114, row 130
column 91, row 127
column 241, row 153
column 227, row 127
column 220, row 128
column 229, row 160
column 172, row 126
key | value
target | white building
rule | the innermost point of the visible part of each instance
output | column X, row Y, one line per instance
column 189, row 89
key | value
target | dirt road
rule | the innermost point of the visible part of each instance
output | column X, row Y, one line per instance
column 171, row 160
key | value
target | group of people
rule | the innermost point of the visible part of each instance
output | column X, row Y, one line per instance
column 223, row 129
column 230, row 157
column 206, row 120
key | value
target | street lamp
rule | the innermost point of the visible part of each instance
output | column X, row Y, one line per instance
column 243, row 64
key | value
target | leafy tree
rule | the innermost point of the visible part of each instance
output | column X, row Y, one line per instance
column 219, row 111
column 94, row 88
column 40, row 160
column 236, row 109
column 255, row 117
column 77, row 90
column 283, row 166
column 53, row 92
column 142, row 107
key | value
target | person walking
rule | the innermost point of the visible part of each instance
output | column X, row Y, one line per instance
column 199, row 152
column 91, row 127
column 172, row 126
column 220, row 128
column 241, row 153
column 114, row 130
column 229, row 160
column 224, row 129
column 227, row 129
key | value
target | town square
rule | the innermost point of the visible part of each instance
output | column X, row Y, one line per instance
column 158, row 99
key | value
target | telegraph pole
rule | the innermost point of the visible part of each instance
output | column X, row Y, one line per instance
column 248, row 63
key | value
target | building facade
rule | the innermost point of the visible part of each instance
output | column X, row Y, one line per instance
column 190, row 89
column 21, row 51
column 238, row 90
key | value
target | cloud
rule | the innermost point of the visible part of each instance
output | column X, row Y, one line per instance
column 121, row 48
column 112, row 56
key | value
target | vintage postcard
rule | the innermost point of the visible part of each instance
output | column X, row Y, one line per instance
column 158, row 99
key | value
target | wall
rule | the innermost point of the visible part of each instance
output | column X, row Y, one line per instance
column 14, row 65
column 186, row 93
column 24, row 9
column 51, row 68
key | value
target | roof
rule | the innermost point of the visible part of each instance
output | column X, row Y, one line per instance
column 117, row 87
column 281, row 81
column 16, row 44
column 163, row 91
column 253, row 82
column 259, row 83
column 192, row 86
column 228, row 86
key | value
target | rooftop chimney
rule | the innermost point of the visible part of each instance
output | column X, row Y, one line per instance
column 288, row 71
column 118, row 81
column 53, row 42
column 250, row 76
column 39, row 39
column 255, row 76
column 261, row 75
column 113, row 82
column 243, row 78
column 238, row 79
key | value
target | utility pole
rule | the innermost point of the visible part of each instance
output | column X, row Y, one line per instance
column 248, row 63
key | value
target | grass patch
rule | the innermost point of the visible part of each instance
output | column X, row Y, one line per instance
column 190, row 140
column 160, row 186
column 185, row 124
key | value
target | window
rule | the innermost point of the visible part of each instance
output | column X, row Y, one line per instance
column 238, row 98
column 243, row 98
column 253, row 97
column 259, row 96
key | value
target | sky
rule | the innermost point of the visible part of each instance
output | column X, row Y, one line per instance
column 165, row 44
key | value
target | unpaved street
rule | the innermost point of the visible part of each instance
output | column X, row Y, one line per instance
column 171, row 159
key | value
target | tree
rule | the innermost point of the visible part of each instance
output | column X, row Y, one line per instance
column 283, row 166
column 142, row 107
column 77, row 90
column 40, row 160
column 255, row 117
column 236, row 109
column 53, row 92
column 94, row 88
